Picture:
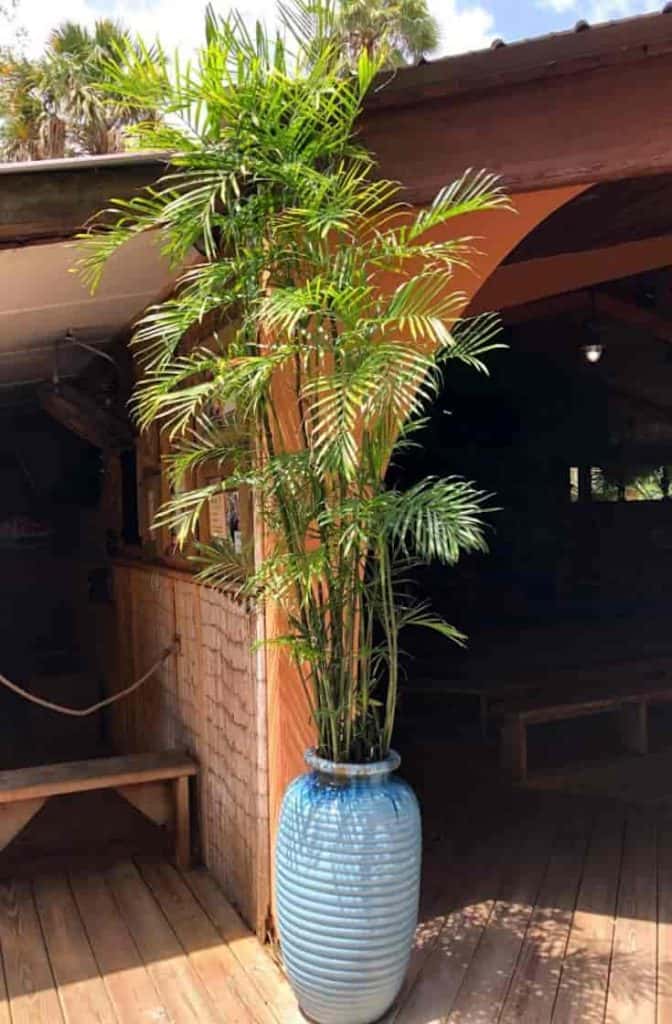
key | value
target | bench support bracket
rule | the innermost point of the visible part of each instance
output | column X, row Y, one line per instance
column 15, row 817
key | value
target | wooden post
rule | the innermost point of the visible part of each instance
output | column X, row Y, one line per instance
column 634, row 729
column 182, row 823
column 514, row 748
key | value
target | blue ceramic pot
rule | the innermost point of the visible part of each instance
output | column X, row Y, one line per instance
column 347, row 880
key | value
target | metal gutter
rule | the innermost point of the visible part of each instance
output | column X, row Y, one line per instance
column 81, row 163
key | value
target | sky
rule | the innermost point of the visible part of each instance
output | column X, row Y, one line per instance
column 465, row 24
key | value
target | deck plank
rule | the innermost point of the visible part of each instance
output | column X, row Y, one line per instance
column 179, row 987
column 129, row 985
column 5, row 1016
column 582, row 993
column 469, row 896
column 81, row 989
column 665, row 924
column 267, row 977
column 31, row 988
column 531, row 996
column 486, row 982
column 219, row 970
column 631, row 998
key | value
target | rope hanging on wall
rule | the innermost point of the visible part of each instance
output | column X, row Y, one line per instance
column 83, row 712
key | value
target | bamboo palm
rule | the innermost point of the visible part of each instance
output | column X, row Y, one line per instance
column 326, row 372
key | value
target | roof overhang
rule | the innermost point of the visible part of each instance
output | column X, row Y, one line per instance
column 47, row 200
column 572, row 108
column 43, row 205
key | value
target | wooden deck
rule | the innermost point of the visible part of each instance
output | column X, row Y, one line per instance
column 538, row 908
column 552, row 909
column 136, row 943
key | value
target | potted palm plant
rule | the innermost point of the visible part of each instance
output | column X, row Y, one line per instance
column 327, row 320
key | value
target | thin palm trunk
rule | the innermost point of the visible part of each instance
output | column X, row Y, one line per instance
column 321, row 368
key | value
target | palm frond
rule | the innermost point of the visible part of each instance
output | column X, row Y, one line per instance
column 313, row 324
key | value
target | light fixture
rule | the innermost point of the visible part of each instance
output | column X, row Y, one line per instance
column 593, row 352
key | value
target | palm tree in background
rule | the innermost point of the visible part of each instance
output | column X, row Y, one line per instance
column 28, row 129
column 75, row 74
column 398, row 31
column 59, row 105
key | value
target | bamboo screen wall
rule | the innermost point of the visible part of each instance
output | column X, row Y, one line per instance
column 207, row 699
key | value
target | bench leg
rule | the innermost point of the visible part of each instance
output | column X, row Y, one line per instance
column 634, row 728
column 15, row 817
column 182, row 824
column 514, row 749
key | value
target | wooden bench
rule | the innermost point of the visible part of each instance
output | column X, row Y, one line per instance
column 490, row 696
column 631, row 706
column 156, row 784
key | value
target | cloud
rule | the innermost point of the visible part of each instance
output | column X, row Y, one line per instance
column 463, row 26
column 179, row 24
column 601, row 10
column 558, row 6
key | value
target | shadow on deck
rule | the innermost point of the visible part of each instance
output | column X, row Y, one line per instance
column 538, row 907
column 547, row 908
column 134, row 942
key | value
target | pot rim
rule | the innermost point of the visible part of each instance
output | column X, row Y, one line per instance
column 347, row 770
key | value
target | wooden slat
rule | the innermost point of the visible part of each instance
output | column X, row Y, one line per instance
column 81, row 989
column 270, row 981
column 100, row 773
column 665, row 924
column 484, row 988
column 205, row 700
column 179, row 987
column 445, row 880
column 466, row 892
column 631, row 998
column 30, row 983
column 5, row 1016
column 447, row 945
column 570, row 709
column 213, row 961
column 128, row 983
column 531, row 996
column 582, row 993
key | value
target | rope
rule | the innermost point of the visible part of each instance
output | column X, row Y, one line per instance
column 83, row 712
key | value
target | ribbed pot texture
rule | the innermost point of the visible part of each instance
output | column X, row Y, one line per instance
column 347, row 860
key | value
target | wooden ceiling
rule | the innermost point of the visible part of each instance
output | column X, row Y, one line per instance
column 608, row 214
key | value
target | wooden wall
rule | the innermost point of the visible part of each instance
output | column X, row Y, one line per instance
column 207, row 699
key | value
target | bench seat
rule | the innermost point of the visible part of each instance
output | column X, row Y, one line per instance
column 157, row 784
column 631, row 704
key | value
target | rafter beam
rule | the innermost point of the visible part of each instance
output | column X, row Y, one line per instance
column 634, row 316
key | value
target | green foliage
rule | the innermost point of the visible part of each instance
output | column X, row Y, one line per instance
column 394, row 31
column 60, row 104
column 329, row 322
